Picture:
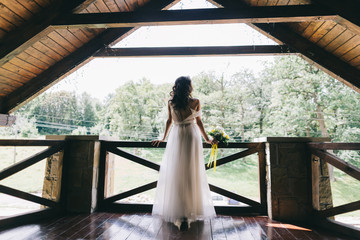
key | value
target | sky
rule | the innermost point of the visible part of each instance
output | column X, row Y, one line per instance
column 102, row 76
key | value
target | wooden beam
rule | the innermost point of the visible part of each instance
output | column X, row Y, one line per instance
column 232, row 157
column 345, row 9
column 235, row 196
column 349, row 207
column 23, row 142
column 338, row 163
column 129, row 193
column 134, row 158
column 39, row 26
column 300, row 13
column 346, row 229
column 130, row 144
column 329, row 63
column 29, row 161
column 335, row 146
column 257, row 50
column 56, row 72
column 27, row 196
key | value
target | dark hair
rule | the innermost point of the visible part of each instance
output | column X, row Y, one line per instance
column 181, row 92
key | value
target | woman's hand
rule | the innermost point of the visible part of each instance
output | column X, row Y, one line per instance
column 212, row 142
column 156, row 142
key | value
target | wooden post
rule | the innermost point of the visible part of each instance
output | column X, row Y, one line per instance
column 262, row 177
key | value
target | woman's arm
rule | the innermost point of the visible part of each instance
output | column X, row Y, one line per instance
column 201, row 126
column 167, row 128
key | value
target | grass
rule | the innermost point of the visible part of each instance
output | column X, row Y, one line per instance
column 28, row 180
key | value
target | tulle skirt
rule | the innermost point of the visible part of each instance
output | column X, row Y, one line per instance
column 182, row 189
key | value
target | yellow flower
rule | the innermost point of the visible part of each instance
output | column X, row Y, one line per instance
column 227, row 136
column 213, row 130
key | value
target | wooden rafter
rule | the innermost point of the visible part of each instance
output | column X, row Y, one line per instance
column 23, row 37
column 259, row 50
column 349, row 17
column 326, row 61
column 299, row 13
column 55, row 73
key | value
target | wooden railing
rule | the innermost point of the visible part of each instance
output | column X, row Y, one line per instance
column 108, row 203
column 325, row 217
column 51, row 206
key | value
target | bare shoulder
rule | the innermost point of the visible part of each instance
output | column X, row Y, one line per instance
column 195, row 103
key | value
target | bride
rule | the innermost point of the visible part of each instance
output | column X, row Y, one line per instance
column 183, row 194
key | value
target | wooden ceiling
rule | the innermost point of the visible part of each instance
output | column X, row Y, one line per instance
column 41, row 41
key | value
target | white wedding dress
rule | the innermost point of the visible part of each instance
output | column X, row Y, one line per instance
column 182, row 189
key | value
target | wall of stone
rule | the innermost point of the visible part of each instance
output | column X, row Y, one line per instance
column 53, row 175
column 81, row 171
column 289, row 182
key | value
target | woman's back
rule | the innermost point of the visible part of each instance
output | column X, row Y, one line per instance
column 180, row 115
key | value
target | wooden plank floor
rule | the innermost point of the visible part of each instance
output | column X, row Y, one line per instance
column 144, row 226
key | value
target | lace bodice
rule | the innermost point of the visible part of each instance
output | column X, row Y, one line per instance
column 184, row 117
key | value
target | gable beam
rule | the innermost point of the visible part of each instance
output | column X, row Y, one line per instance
column 69, row 64
column 299, row 13
column 347, row 10
column 255, row 50
column 23, row 37
column 329, row 63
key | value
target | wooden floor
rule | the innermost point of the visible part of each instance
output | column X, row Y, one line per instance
column 144, row 226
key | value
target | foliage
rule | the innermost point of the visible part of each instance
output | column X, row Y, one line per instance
column 288, row 98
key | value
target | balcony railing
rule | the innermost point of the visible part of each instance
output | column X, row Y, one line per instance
column 49, row 206
column 325, row 216
column 117, row 148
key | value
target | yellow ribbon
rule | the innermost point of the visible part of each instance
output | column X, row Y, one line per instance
column 213, row 156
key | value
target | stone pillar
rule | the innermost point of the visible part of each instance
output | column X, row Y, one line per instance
column 53, row 176
column 321, row 188
column 81, row 170
column 289, row 194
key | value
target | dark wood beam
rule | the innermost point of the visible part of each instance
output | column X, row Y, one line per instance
column 299, row 13
column 27, row 196
column 68, row 64
column 349, row 207
column 334, row 146
column 344, row 166
column 329, row 63
column 349, row 17
column 39, row 26
column 259, row 50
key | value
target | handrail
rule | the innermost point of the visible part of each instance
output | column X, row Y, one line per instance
column 335, row 146
column 114, row 147
column 163, row 144
column 53, row 146
column 26, row 142
column 322, row 216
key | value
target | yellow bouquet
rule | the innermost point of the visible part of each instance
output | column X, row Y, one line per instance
column 219, row 135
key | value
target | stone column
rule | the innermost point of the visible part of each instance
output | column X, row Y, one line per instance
column 80, row 172
column 289, row 194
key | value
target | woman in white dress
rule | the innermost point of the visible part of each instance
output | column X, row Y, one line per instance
column 183, row 194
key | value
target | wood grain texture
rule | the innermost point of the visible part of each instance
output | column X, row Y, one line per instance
column 140, row 226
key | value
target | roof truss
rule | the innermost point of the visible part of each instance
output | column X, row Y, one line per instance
column 16, row 41
column 256, row 50
column 326, row 61
column 300, row 13
column 23, row 37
